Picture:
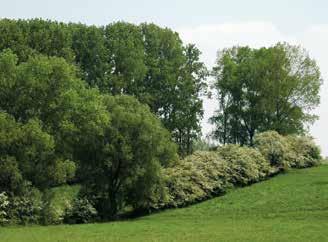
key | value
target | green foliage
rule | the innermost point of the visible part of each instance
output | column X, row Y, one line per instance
column 146, row 61
column 65, row 126
column 63, row 171
column 4, row 203
column 189, row 105
column 81, row 211
column 195, row 178
column 29, row 37
column 57, row 201
column 27, row 208
column 91, row 55
column 246, row 165
column 274, row 148
column 57, row 129
column 10, row 175
column 28, row 153
column 288, row 151
column 37, row 87
column 126, row 169
column 303, row 152
column 125, row 46
column 264, row 89
column 61, row 118
column 36, row 154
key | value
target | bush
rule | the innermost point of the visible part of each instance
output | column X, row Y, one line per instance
column 27, row 208
column 57, row 201
column 303, row 152
column 246, row 165
column 273, row 147
column 82, row 211
column 197, row 177
column 4, row 203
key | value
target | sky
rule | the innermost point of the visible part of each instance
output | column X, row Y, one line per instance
column 211, row 25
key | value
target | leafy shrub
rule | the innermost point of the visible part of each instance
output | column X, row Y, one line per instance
column 27, row 208
column 195, row 178
column 246, row 165
column 303, row 152
column 4, row 203
column 81, row 211
column 273, row 147
column 57, row 201
column 52, row 214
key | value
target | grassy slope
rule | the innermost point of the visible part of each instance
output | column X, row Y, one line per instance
column 289, row 207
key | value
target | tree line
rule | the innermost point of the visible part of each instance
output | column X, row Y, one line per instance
column 146, row 61
column 115, row 109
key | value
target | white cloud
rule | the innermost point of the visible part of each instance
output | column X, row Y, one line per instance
column 211, row 38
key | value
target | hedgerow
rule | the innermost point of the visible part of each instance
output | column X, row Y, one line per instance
column 208, row 173
column 273, row 147
column 246, row 165
column 303, row 152
column 195, row 178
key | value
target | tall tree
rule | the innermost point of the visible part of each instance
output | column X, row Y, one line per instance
column 189, row 105
column 263, row 89
column 91, row 55
column 145, row 61
column 124, row 43
column 174, row 83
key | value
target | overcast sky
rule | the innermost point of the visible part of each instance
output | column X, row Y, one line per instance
column 211, row 25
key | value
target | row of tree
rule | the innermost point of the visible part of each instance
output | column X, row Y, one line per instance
column 262, row 89
column 102, row 107
column 145, row 61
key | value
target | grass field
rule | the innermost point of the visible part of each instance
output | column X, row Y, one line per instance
column 289, row 207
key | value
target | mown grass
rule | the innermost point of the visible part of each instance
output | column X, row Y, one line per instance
column 289, row 207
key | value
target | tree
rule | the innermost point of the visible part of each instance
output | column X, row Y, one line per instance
column 188, row 109
column 28, row 155
column 127, row 68
column 145, row 61
column 264, row 89
column 91, row 54
column 36, row 36
column 127, row 169
column 61, row 118
column 173, row 84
